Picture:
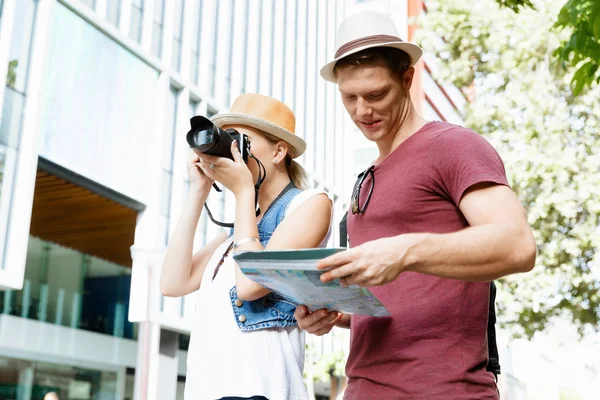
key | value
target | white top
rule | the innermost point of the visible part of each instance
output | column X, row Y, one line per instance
column 224, row 361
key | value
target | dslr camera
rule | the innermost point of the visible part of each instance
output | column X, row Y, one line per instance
column 205, row 137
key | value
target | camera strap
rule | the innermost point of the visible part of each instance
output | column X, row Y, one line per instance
column 262, row 175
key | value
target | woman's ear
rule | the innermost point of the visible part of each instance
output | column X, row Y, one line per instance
column 281, row 150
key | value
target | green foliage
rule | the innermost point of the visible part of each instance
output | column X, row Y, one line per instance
column 11, row 76
column 515, row 5
column 582, row 50
column 329, row 364
column 321, row 366
column 548, row 134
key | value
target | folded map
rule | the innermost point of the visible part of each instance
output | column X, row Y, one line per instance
column 294, row 275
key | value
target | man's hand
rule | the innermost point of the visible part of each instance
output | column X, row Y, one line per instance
column 371, row 264
column 319, row 322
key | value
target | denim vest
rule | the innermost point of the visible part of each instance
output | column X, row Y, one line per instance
column 273, row 310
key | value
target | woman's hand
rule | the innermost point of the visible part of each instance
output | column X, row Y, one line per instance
column 234, row 175
column 198, row 179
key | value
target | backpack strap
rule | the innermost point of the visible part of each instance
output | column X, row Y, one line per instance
column 494, row 359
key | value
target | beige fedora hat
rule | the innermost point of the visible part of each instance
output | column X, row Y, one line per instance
column 266, row 114
column 365, row 30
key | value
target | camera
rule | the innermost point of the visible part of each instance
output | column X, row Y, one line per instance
column 205, row 137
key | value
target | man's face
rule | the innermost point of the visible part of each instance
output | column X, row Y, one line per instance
column 376, row 100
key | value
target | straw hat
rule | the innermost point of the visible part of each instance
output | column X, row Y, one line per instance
column 267, row 114
column 365, row 30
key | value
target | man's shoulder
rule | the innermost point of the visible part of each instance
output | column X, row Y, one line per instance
column 448, row 137
column 445, row 131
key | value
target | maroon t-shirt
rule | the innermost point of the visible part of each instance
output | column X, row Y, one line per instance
column 434, row 345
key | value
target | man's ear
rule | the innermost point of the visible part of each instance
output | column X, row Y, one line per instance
column 407, row 78
column 281, row 150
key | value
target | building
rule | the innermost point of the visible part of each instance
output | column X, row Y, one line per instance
column 95, row 100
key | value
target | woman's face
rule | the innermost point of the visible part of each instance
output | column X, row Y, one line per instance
column 261, row 148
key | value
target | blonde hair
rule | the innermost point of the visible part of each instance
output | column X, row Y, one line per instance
column 295, row 171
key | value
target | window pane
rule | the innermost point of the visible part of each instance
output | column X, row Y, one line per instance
column 169, row 128
column 11, row 117
column 90, row 3
column 176, row 56
column 165, row 197
column 159, row 9
column 138, row 3
column 157, row 33
column 20, row 45
column 178, row 19
column 194, row 67
column 96, row 135
column 7, row 169
column 197, row 22
column 113, row 11
column 163, row 229
column 136, row 24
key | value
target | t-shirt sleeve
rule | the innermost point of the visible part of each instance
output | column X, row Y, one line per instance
column 464, row 158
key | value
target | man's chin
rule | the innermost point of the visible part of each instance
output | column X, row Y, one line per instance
column 371, row 135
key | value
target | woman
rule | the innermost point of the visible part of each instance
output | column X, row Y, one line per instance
column 245, row 342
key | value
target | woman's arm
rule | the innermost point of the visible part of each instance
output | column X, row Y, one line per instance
column 182, row 272
column 305, row 227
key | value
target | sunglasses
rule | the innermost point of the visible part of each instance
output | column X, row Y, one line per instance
column 357, row 208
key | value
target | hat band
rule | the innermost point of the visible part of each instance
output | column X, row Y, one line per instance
column 365, row 41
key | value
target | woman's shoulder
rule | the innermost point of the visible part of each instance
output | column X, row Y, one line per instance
column 306, row 194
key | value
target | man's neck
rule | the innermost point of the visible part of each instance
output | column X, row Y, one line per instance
column 409, row 125
column 270, row 189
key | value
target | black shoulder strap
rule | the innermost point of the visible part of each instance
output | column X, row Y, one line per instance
column 494, row 359
column 344, row 231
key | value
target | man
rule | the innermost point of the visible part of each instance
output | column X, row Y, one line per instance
column 430, row 224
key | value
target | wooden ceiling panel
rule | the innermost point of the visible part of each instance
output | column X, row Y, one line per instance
column 76, row 217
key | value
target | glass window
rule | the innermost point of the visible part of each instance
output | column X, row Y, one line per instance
column 20, row 45
column 90, row 3
column 168, row 150
column 68, row 382
column 113, row 11
column 157, row 27
column 96, row 135
column 11, row 117
column 14, row 96
column 137, row 16
column 195, row 46
column 177, row 35
column 213, row 68
column 65, row 287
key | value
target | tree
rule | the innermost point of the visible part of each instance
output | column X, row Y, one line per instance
column 549, row 139
column 582, row 49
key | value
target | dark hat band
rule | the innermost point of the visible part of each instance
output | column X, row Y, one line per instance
column 366, row 41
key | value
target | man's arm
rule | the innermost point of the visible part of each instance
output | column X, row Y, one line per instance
column 498, row 243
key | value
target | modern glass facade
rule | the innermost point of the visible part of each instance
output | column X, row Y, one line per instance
column 96, row 100
column 68, row 288
column 15, row 93
column 22, row 379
